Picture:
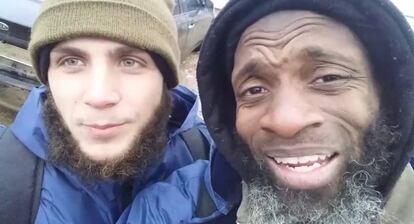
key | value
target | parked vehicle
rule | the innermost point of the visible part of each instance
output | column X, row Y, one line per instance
column 193, row 18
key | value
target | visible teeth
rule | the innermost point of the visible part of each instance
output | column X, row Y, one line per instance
column 304, row 169
column 278, row 160
column 291, row 160
column 306, row 159
column 301, row 160
column 316, row 165
column 322, row 157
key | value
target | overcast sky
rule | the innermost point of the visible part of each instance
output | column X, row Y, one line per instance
column 219, row 3
column 406, row 6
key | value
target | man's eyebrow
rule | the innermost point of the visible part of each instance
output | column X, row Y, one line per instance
column 321, row 53
column 69, row 51
column 254, row 68
column 125, row 50
column 248, row 69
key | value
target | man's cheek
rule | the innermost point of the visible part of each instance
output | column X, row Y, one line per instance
column 245, row 127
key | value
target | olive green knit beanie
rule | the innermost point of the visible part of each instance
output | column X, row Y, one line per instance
column 145, row 24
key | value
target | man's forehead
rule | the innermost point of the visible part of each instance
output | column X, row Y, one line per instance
column 282, row 19
column 298, row 33
column 280, row 28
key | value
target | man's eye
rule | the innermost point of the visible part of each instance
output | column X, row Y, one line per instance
column 330, row 78
column 331, row 83
column 130, row 63
column 72, row 62
column 254, row 91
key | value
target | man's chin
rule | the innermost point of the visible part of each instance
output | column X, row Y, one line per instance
column 105, row 153
column 103, row 157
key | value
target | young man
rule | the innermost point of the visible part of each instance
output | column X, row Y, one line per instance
column 107, row 123
column 311, row 102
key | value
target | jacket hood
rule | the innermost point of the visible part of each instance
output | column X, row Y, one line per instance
column 29, row 126
column 380, row 27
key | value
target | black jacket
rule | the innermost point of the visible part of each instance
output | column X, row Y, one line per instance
column 380, row 27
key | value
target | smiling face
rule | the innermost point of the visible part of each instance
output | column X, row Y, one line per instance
column 106, row 93
column 305, row 98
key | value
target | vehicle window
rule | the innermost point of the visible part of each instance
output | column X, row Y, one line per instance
column 190, row 5
column 177, row 9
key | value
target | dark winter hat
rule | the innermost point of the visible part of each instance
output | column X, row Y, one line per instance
column 378, row 24
column 145, row 24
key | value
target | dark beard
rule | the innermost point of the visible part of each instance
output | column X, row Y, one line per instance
column 145, row 149
column 356, row 201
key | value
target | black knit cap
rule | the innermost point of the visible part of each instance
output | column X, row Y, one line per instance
column 378, row 24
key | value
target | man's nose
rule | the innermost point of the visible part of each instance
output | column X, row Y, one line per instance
column 102, row 91
column 288, row 113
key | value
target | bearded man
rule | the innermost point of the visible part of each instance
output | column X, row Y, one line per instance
column 107, row 123
column 311, row 102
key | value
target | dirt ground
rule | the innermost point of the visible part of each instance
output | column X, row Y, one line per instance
column 186, row 77
column 6, row 116
column 9, row 98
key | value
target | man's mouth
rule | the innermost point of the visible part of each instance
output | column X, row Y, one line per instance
column 104, row 131
column 305, row 172
column 304, row 164
column 103, row 126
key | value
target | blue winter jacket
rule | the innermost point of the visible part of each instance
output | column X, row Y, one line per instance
column 167, row 193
